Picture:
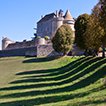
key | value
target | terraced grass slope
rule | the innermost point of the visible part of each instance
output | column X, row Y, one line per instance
column 67, row 81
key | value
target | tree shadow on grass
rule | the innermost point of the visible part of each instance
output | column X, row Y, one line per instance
column 65, row 81
column 59, row 70
column 80, row 84
column 93, row 103
column 54, row 99
column 55, row 72
column 42, row 59
column 49, row 70
column 62, row 72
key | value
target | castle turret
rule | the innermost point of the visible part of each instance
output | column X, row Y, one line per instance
column 68, row 19
column 57, row 22
column 5, row 42
column 60, row 19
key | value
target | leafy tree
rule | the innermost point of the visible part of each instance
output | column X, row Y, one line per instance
column 96, row 11
column 80, row 29
column 47, row 37
column 63, row 39
column 96, row 30
column 38, row 37
column 102, row 4
column 102, row 20
column 93, row 35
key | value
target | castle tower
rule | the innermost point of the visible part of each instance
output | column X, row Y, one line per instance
column 58, row 21
column 68, row 19
column 6, row 42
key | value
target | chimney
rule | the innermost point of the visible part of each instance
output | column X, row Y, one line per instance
column 56, row 13
column 41, row 16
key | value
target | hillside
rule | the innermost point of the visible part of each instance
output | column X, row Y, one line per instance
column 66, row 81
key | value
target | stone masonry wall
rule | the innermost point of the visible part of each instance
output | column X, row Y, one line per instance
column 38, row 51
column 46, row 51
column 19, row 52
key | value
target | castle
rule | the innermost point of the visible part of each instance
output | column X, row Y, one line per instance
column 46, row 26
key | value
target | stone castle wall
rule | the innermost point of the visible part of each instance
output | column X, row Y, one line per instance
column 18, row 52
column 37, row 51
column 17, row 45
column 46, row 51
column 23, row 44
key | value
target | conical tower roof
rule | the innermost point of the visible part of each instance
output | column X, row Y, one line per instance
column 68, row 15
column 6, row 39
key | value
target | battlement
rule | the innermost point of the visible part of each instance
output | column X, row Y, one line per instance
column 10, row 45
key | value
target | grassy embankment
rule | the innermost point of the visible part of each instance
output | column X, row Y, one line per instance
column 66, row 81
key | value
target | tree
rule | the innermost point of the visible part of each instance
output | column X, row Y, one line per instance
column 93, row 35
column 63, row 39
column 96, row 11
column 102, row 20
column 80, row 29
column 47, row 38
column 94, row 32
column 103, row 13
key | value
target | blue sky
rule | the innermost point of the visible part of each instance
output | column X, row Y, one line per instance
column 19, row 17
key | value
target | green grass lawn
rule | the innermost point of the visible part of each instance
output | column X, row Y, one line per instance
column 66, row 81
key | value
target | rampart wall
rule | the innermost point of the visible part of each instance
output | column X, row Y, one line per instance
column 38, row 51
column 18, row 52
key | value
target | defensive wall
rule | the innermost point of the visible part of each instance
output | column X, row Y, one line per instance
column 37, row 51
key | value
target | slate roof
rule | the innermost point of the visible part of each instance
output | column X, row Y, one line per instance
column 47, row 17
